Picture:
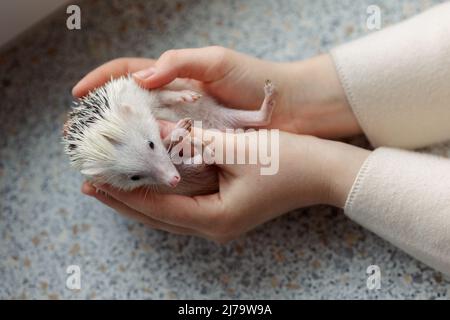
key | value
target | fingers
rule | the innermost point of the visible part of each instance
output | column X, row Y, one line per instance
column 187, row 212
column 113, row 68
column 203, row 64
column 133, row 214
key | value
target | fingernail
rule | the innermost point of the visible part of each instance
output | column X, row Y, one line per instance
column 145, row 74
column 99, row 189
column 97, row 186
column 75, row 89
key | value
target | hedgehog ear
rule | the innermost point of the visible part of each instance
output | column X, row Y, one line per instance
column 125, row 110
column 92, row 171
column 111, row 140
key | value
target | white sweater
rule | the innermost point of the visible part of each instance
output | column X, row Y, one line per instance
column 397, row 82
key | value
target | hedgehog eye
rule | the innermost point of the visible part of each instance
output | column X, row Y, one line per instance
column 135, row 178
column 151, row 145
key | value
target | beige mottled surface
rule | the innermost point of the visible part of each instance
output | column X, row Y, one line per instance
column 47, row 225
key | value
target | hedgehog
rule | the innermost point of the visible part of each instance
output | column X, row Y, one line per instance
column 112, row 135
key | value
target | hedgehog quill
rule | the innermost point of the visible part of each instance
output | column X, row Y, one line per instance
column 112, row 134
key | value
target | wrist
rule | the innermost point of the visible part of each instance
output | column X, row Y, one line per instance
column 316, row 101
column 324, row 170
column 340, row 165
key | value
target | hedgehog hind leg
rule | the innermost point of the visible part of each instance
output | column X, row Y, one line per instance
column 255, row 118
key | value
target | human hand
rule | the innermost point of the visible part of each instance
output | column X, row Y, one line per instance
column 310, row 97
column 233, row 78
column 311, row 171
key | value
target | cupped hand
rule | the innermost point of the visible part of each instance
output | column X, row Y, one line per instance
column 234, row 79
column 310, row 97
column 310, row 171
column 111, row 69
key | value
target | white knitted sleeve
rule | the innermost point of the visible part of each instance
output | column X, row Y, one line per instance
column 397, row 80
column 404, row 197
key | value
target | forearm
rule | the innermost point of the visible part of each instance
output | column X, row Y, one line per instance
column 401, row 196
column 397, row 79
column 322, row 171
column 404, row 197
column 342, row 164
column 391, row 85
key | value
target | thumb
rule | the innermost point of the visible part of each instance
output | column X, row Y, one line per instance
column 203, row 64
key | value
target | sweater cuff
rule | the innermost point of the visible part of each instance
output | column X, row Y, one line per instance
column 396, row 80
column 404, row 197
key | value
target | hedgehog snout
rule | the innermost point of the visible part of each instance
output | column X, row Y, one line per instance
column 169, row 175
column 174, row 181
column 172, row 177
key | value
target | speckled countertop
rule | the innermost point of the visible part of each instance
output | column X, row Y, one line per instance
column 47, row 225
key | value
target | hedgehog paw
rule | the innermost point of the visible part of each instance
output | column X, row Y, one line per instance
column 188, row 96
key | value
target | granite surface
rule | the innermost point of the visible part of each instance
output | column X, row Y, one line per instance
column 47, row 225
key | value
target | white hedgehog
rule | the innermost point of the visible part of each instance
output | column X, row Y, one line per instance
column 112, row 135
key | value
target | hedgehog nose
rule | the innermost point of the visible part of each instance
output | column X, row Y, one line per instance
column 173, row 182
